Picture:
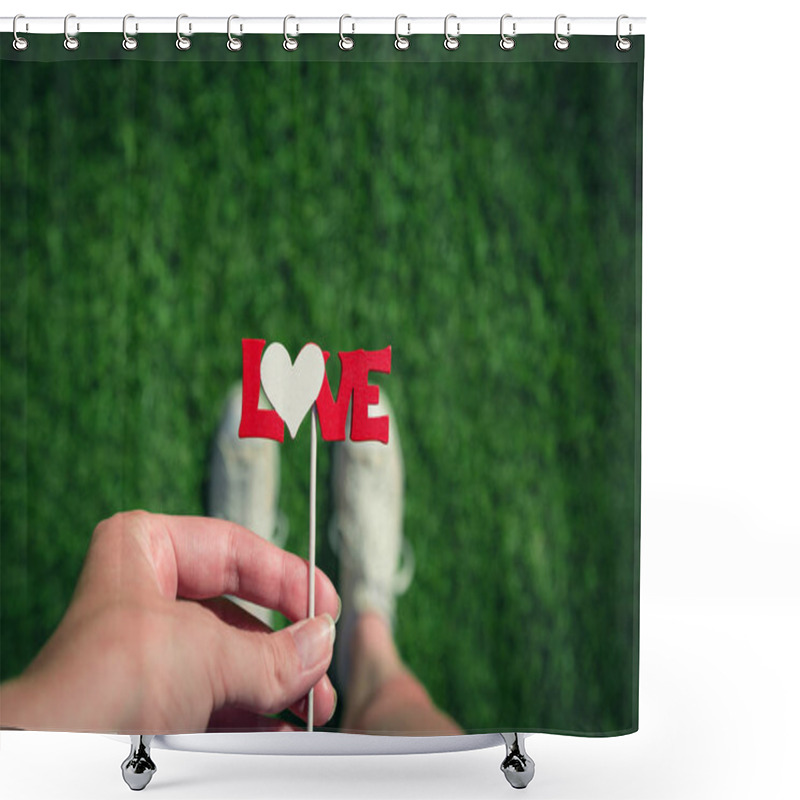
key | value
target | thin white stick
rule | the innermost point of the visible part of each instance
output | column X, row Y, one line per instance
column 312, row 542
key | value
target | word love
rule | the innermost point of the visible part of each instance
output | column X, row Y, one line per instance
column 293, row 389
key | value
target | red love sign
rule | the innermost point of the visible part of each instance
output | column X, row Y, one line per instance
column 354, row 384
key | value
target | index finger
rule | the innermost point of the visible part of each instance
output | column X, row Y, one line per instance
column 201, row 557
column 215, row 557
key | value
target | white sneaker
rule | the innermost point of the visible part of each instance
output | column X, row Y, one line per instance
column 243, row 484
column 376, row 563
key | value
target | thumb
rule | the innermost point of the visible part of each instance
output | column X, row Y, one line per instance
column 268, row 672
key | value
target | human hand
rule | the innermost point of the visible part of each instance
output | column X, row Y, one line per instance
column 148, row 645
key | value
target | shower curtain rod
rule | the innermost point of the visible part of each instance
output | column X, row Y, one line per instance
column 348, row 25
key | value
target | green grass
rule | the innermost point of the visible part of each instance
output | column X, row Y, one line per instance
column 477, row 213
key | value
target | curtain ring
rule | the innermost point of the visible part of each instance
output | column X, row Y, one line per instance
column 19, row 43
column 70, row 42
column 288, row 42
column 451, row 42
column 623, row 44
column 234, row 44
column 182, row 42
column 128, row 42
column 400, row 42
column 345, row 42
column 507, row 42
column 561, row 43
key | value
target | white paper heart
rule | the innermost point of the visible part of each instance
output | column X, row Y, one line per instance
column 292, row 388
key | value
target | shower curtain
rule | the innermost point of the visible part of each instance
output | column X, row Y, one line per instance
column 476, row 210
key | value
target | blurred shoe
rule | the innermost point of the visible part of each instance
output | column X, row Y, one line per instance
column 376, row 563
column 244, row 484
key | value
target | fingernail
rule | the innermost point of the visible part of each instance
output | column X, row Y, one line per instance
column 335, row 704
column 338, row 610
column 313, row 639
